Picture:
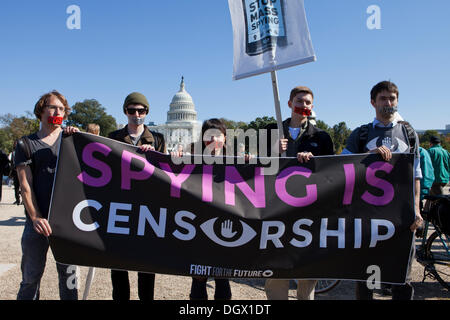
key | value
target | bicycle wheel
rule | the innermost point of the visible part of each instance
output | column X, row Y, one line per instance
column 326, row 285
column 439, row 258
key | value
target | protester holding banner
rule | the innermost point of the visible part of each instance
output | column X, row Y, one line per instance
column 384, row 136
column 35, row 159
column 304, row 141
column 214, row 131
column 136, row 108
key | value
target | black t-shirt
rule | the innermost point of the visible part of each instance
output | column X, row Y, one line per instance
column 43, row 166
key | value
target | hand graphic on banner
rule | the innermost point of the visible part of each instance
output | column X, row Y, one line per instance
column 227, row 229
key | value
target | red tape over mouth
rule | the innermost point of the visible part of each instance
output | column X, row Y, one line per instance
column 55, row 120
column 302, row 111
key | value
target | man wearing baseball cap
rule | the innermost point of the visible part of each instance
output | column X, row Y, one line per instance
column 441, row 164
column 136, row 108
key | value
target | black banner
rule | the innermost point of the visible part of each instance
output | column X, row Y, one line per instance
column 336, row 217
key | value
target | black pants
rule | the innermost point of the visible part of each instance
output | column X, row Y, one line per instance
column 198, row 289
column 121, row 285
column 399, row 292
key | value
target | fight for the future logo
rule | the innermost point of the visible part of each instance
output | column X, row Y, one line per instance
column 213, row 271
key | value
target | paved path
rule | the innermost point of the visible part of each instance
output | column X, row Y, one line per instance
column 166, row 287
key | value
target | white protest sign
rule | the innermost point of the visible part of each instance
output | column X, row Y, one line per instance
column 269, row 35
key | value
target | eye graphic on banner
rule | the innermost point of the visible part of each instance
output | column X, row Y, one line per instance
column 226, row 231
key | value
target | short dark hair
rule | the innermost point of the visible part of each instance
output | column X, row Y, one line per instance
column 383, row 86
column 214, row 123
column 300, row 89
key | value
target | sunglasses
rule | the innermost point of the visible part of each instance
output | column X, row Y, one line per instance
column 141, row 111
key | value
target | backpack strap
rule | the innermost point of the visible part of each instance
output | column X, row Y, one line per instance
column 24, row 144
column 411, row 135
column 363, row 136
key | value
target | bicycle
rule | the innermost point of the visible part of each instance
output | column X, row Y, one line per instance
column 434, row 252
column 326, row 285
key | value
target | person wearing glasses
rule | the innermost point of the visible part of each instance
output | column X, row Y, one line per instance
column 35, row 159
column 136, row 108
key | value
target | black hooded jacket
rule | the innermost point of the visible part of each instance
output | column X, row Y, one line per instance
column 313, row 139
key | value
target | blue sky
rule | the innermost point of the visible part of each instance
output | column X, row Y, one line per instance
column 147, row 45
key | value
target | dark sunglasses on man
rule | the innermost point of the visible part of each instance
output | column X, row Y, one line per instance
column 132, row 111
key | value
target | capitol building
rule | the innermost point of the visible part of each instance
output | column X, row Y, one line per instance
column 182, row 126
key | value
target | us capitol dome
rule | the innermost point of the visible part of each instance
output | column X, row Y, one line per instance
column 182, row 126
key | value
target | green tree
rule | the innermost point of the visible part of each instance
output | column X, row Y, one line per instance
column 340, row 134
column 91, row 111
column 261, row 123
column 231, row 124
column 14, row 127
column 424, row 139
column 446, row 141
column 5, row 140
column 322, row 125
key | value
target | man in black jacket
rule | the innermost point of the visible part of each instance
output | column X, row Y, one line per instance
column 304, row 141
column 136, row 108
column 4, row 169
